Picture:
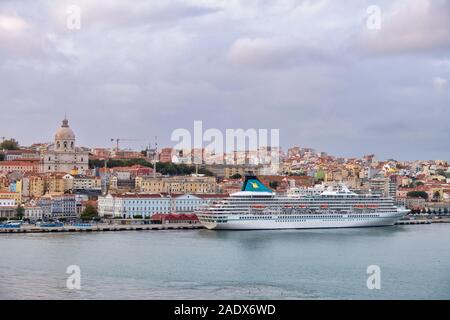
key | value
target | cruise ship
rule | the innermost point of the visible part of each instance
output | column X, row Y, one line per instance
column 257, row 207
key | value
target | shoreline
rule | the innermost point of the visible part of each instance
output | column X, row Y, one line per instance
column 165, row 226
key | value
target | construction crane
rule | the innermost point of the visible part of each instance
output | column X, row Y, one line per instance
column 117, row 140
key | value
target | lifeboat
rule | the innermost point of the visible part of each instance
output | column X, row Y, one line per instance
column 360, row 206
column 258, row 206
column 324, row 205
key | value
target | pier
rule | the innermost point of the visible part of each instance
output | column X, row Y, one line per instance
column 102, row 227
column 408, row 222
column 422, row 220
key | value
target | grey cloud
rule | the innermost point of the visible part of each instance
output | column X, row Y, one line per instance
column 413, row 26
column 138, row 69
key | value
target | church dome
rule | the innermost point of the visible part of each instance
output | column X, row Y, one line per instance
column 64, row 132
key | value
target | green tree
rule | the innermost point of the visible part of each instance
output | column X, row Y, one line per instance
column 163, row 168
column 9, row 144
column 417, row 194
column 236, row 176
column 436, row 195
column 20, row 212
column 273, row 184
column 89, row 213
column 137, row 216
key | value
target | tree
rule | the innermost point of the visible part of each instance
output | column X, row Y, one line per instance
column 137, row 216
column 417, row 194
column 273, row 184
column 236, row 176
column 436, row 195
column 10, row 144
column 20, row 211
column 162, row 167
column 89, row 213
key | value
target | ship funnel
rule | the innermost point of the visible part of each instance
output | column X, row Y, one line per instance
column 252, row 183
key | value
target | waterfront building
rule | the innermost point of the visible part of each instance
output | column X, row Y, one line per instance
column 33, row 213
column 7, row 202
column 63, row 155
column 130, row 205
column 58, row 206
column 8, row 195
column 174, row 218
column 8, row 208
column 144, row 204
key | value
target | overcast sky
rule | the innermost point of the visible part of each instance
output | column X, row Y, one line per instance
column 313, row 69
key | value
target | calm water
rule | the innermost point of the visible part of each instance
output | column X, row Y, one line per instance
column 203, row 264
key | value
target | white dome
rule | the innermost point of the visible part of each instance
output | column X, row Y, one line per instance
column 64, row 132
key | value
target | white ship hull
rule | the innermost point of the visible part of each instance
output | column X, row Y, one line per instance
column 256, row 207
column 236, row 222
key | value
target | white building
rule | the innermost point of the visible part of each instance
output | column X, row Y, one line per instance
column 33, row 213
column 63, row 155
column 7, row 208
column 81, row 182
column 129, row 205
column 8, row 203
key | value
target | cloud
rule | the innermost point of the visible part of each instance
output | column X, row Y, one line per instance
column 143, row 68
column 11, row 24
column 409, row 26
column 439, row 83
column 276, row 52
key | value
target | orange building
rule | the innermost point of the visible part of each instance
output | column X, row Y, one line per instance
column 166, row 155
column 19, row 166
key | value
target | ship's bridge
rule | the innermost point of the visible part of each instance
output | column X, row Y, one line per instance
column 338, row 190
column 252, row 194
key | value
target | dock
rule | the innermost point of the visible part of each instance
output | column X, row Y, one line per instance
column 102, row 227
column 408, row 222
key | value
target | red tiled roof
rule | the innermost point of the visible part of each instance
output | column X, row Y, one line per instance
column 16, row 163
column 139, row 195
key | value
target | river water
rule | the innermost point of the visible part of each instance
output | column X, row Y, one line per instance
column 202, row 264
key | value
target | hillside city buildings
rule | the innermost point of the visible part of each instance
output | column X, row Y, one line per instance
column 57, row 180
